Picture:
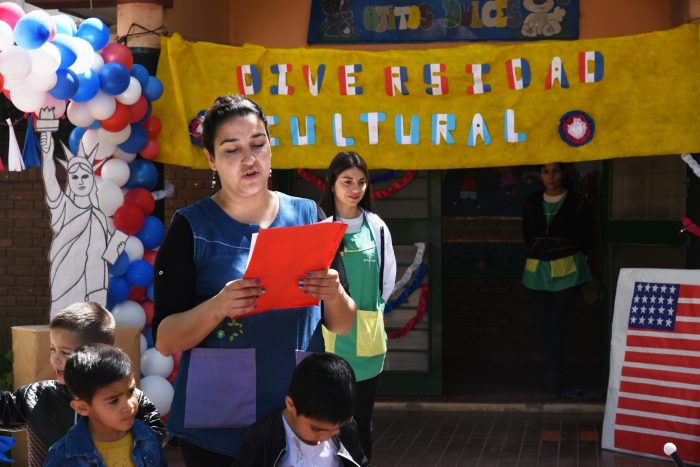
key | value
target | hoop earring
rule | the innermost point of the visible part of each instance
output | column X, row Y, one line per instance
column 213, row 179
column 270, row 175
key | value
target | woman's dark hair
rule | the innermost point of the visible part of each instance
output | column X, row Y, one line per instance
column 95, row 366
column 224, row 108
column 323, row 388
column 567, row 171
column 340, row 163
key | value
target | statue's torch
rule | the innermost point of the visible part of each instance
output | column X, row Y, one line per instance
column 47, row 120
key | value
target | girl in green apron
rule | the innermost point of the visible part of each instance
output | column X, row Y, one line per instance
column 370, row 266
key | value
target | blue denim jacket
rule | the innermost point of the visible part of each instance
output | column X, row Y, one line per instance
column 76, row 449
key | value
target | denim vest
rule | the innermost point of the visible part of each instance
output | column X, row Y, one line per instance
column 242, row 369
column 77, row 448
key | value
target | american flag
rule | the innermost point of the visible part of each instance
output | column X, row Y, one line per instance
column 654, row 387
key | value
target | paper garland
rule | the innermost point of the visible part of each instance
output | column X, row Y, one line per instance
column 422, row 270
column 318, row 183
column 420, row 313
column 14, row 156
column 689, row 225
column 417, row 260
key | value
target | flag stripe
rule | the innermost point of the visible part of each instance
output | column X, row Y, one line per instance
column 660, row 375
column 689, row 291
column 657, row 424
column 676, row 410
column 654, row 444
column 658, row 390
column 663, row 342
column 661, row 359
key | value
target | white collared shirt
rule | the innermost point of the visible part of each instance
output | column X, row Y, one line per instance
column 301, row 454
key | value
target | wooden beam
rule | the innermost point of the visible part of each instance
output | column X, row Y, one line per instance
column 57, row 4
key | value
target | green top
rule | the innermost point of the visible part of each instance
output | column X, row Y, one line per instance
column 364, row 347
column 558, row 274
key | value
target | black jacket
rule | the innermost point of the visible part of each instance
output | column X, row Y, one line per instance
column 570, row 230
column 265, row 444
column 43, row 409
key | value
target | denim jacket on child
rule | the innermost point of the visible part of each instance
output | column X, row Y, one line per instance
column 77, row 449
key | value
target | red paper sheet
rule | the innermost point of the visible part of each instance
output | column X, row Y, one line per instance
column 283, row 255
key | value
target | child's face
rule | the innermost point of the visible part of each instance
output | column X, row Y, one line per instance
column 63, row 344
column 112, row 410
column 309, row 430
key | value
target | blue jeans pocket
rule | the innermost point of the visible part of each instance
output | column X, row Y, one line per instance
column 221, row 386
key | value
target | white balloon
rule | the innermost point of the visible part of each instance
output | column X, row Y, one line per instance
column 79, row 115
column 91, row 140
column 42, row 81
column 85, row 54
column 119, row 153
column 15, row 62
column 154, row 363
column 144, row 343
column 116, row 137
column 97, row 63
column 7, row 37
column 59, row 105
column 129, row 313
column 45, row 59
column 10, row 84
column 109, row 197
column 134, row 248
column 132, row 93
column 116, row 171
column 102, row 106
column 26, row 98
column 159, row 391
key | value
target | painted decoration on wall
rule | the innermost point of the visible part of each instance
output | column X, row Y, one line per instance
column 82, row 245
column 333, row 21
column 482, row 105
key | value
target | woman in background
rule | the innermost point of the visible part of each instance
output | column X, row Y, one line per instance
column 558, row 231
column 370, row 267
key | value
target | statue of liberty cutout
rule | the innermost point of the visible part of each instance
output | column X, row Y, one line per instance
column 82, row 244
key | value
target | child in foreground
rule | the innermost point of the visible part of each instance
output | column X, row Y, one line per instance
column 101, row 380
column 315, row 428
column 43, row 408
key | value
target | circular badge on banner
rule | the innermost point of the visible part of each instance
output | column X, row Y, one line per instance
column 196, row 129
column 576, row 128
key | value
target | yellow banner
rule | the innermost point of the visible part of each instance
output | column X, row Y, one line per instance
column 457, row 107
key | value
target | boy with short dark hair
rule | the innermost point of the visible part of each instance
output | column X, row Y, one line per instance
column 43, row 408
column 101, row 380
column 315, row 428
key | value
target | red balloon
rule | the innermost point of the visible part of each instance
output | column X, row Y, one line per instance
column 176, row 359
column 6, row 92
column 10, row 13
column 129, row 218
column 153, row 126
column 119, row 119
column 172, row 377
column 138, row 109
column 118, row 53
column 150, row 150
column 148, row 308
column 142, row 198
column 137, row 293
column 2, row 82
column 150, row 257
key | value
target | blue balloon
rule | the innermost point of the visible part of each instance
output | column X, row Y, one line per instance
column 149, row 292
column 153, row 89
column 66, row 86
column 140, row 72
column 114, row 78
column 95, row 125
column 151, row 234
column 136, row 141
column 148, row 334
column 142, row 174
column 88, row 85
column 68, row 55
column 32, row 31
column 64, row 25
column 120, row 265
column 74, row 138
column 140, row 273
column 95, row 32
column 118, row 289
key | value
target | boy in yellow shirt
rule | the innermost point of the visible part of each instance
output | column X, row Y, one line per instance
column 101, row 380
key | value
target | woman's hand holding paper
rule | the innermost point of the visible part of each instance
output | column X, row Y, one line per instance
column 237, row 298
